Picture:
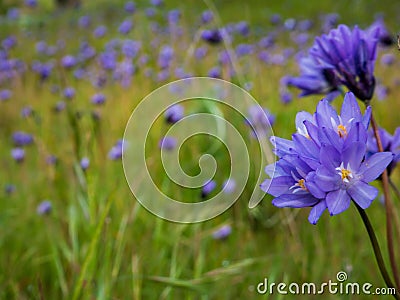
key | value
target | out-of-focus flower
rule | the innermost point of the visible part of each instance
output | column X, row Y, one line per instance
column 68, row 61
column 130, row 7
column 18, row 154
column 100, row 31
column 21, row 139
column 260, row 120
column 69, row 93
column 290, row 24
column 207, row 16
column 167, row 143
column 98, row 99
column 84, row 22
column 208, row 188
column 387, row 59
column 381, row 92
column 9, row 189
column 222, row 233
column 229, row 186
column 5, row 95
column 165, row 56
column 116, row 151
column 212, row 36
column 51, row 160
column 84, row 163
column 125, row 27
column 44, row 208
column 174, row 15
column 174, row 113
column 215, row 72
column 242, row 28
column 244, row 49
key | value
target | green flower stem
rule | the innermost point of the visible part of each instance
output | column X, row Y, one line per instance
column 389, row 209
column 377, row 250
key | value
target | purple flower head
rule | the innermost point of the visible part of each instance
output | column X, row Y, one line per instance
column 165, row 56
column 84, row 163
column 125, row 27
column 385, row 37
column 244, row 49
column 116, row 151
column 108, row 60
column 150, row 12
column 41, row 47
column 213, row 36
column 21, row 139
column 222, row 233
column 13, row 13
column 200, row 53
column 229, row 186
column 168, row 143
column 18, row 154
column 207, row 188
column 341, row 57
column 345, row 175
column 207, row 16
column 305, row 25
column 215, row 72
column 51, row 160
column 381, row 92
column 131, row 48
column 174, row 15
column 31, row 3
column 69, row 93
column 68, row 61
column 130, row 7
column 326, row 163
column 267, row 41
column 5, row 95
column 9, row 189
column 388, row 59
column 9, row 42
column 260, row 120
column 174, row 113
column 84, row 22
column 290, row 24
column 275, row 19
column 98, row 99
column 26, row 111
column 156, row 2
column 100, row 31
column 242, row 28
column 60, row 106
column 44, row 208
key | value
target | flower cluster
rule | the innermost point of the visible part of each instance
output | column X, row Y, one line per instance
column 341, row 57
column 325, row 164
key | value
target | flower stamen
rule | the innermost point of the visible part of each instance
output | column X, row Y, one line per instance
column 345, row 173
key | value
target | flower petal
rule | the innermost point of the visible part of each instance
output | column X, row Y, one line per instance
column 316, row 212
column 362, row 193
column 350, row 109
column 327, row 179
column 374, row 166
column 295, row 200
column 353, row 154
column 277, row 186
column 337, row 201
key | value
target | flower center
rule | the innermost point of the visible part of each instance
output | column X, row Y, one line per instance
column 345, row 173
column 341, row 129
column 299, row 186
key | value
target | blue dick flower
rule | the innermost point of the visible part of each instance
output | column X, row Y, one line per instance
column 326, row 163
column 344, row 56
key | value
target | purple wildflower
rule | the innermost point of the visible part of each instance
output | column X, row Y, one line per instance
column 116, row 151
column 325, row 165
column 84, row 22
column 260, row 120
column 130, row 7
column 222, row 233
column 85, row 162
column 69, row 93
column 44, row 208
column 167, row 143
column 68, row 61
column 98, row 99
column 125, row 27
column 174, row 113
column 207, row 188
column 5, row 95
column 9, row 189
column 207, row 16
column 18, row 154
column 100, row 31
column 21, row 139
column 229, row 186
column 213, row 36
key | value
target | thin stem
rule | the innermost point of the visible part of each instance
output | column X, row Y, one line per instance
column 377, row 250
column 395, row 215
column 388, row 206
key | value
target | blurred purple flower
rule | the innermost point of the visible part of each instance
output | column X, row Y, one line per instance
column 13, row 13
column 116, row 151
column 26, row 111
column 387, row 59
column 31, row 3
column 51, row 160
column 174, row 15
column 215, row 72
column 84, row 22
column 21, row 139
column 213, row 36
column 9, row 189
column 130, row 7
column 174, row 113
column 222, row 233
column 60, row 106
column 68, row 61
column 200, row 53
column 5, row 95
column 290, row 24
column 125, row 27
column 167, row 143
column 260, row 120
column 229, row 186
column 244, row 49
column 381, row 92
column 207, row 16
column 156, row 2
column 100, row 31
column 69, row 93
column 275, row 19
column 98, row 99
column 44, row 208
column 84, row 163
column 207, row 188
column 165, row 56
column 242, row 28
column 18, row 154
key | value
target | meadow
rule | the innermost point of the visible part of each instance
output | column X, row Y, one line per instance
column 70, row 228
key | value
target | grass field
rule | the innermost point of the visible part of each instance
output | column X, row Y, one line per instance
column 97, row 241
